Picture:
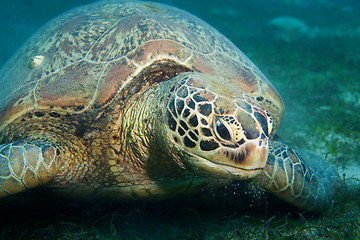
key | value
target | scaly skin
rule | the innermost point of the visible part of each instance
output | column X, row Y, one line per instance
column 220, row 127
column 179, row 136
column 24, row 165
column 306, row 183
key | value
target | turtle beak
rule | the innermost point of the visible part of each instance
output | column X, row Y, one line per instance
column 244, row 161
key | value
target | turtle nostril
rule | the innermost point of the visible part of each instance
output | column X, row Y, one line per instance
column 222, row 130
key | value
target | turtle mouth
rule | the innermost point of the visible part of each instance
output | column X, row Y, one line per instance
column 246, row 161
column 211, row 168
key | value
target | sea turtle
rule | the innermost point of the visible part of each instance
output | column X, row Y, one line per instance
column 127, row 99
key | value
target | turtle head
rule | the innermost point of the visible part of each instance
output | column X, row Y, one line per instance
column 214, row 127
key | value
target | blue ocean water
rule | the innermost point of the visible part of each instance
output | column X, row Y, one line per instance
column 307, row 48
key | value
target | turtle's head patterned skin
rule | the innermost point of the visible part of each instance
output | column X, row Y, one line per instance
column 216, row 127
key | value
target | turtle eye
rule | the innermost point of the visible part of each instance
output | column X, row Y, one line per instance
column 222, row 130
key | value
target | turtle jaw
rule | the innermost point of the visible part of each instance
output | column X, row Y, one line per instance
column 221, row 169
column 243, row 162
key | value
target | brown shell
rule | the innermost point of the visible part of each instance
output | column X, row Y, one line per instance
column 90, row 54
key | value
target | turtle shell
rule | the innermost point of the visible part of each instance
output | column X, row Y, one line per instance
column 92, row 55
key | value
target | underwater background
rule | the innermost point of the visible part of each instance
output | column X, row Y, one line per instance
column 309, row 49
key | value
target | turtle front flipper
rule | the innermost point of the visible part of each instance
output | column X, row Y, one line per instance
column 309, row 184
column 25, row 165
